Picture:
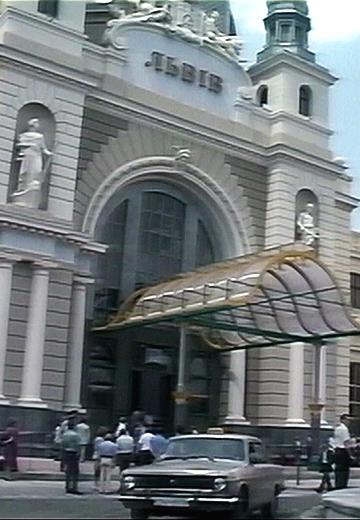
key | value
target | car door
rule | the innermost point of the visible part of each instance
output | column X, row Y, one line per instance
column 261, row 488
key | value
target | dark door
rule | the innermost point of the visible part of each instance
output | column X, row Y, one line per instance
column 152, row 389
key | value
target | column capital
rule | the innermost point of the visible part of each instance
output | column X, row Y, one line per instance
column 83, row 280
column 9, row 259
column 46, row 265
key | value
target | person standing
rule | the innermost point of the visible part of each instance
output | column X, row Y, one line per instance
column 125, row 446
column 70, row 444
column 125, row 450
column 326, row 461
column 57, row 442
column 145, row 455
column 158, row 444
column 107, row 451
column 83, row 429
column 9, row 441
column 69, row 417
column 122, row 425
column 342, row 443
column 100, row 435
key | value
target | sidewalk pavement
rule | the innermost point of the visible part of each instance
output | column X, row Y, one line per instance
column 49, row 469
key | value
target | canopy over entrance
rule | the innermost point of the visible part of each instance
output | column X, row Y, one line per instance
column 251, row 301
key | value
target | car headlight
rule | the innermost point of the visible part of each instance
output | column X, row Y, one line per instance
column 219, row 484
column 128, row 483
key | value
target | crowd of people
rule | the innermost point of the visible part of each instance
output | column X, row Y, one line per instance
column 131, row 442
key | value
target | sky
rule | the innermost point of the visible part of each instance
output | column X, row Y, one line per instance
column 335, row 38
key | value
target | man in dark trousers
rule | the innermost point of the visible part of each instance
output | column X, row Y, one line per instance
column 343, row 458
column 70, row 443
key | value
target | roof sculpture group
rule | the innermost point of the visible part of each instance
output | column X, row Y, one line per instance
column 178, row 19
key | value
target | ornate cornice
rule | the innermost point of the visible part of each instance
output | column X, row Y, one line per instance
column 34, row 225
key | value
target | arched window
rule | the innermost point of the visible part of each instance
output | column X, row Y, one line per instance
column 152, row 234
column 263, row 95
column 305, row 101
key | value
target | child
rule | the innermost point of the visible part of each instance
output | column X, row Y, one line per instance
column 326, row 461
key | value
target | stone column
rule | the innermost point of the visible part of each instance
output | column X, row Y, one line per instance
column 6, row 270
column 76, row 344
column 35, row 337
column 237, row 383
column 296, row 385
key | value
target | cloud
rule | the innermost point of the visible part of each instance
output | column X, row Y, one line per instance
column 331, row 21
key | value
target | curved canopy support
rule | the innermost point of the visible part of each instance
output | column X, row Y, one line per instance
column 250, row 301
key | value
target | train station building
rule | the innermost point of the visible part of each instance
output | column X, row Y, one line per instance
column 139, row 150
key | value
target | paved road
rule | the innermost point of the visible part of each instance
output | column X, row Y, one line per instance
column 40, row 499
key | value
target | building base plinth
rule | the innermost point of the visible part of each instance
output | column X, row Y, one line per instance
column 297, row 423
column 77, row 407
column 31, row 403
column 236, row 420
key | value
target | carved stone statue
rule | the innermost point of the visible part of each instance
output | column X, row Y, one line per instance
column 306, row 226
column 181, row 19
column 31, row 152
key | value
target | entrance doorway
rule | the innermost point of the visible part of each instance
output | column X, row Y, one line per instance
column 152, row 393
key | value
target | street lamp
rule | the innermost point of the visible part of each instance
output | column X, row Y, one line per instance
column 316, row 406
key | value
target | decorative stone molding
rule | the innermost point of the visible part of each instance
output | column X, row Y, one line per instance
column 176, row 19
column 182, row 156
column 161, row 167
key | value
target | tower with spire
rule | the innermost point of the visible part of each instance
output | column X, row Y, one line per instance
column 287, row 27
column 286, row 72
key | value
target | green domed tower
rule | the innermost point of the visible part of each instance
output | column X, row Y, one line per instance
column 287, row 26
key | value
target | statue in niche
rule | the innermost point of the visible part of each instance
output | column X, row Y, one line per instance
column 31, row 151
column 306, row 228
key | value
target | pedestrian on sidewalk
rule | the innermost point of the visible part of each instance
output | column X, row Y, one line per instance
column 343, row 456
column 125, row 451
column 145, row 455
column 83, row 429
column 158, row 444
column 100, row 436
column 122, row 425
column 326, row 461
column 70, row 444
column 70, row 416
column 57, row 442
column 9, row 441
column 107, row 450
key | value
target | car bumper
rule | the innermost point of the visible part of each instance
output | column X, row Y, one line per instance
column 187, row 503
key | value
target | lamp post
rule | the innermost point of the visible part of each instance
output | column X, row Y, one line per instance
column 316, row 406
column 180, row 395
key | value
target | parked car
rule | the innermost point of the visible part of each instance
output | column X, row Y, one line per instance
column 202, row 473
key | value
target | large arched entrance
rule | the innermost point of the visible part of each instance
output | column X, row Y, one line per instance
column 156, row 225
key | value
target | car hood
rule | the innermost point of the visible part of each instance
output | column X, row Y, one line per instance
column 187, row 467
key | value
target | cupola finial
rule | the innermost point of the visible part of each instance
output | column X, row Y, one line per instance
column 287, row 27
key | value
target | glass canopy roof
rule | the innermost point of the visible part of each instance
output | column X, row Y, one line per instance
column 250, row 301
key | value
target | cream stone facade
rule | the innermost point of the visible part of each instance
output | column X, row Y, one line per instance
column 165, row 157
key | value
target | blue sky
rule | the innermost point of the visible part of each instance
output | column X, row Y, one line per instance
column 336, row 40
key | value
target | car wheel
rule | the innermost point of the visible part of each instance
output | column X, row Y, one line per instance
column 242, row 508
column 139, row 514
column 269, row 510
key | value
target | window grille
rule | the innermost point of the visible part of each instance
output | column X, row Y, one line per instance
column 355, row 290
column 355, row 389
column 49, row 7
column 305, row 101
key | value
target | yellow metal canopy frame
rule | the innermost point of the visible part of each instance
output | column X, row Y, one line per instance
column 251, row 301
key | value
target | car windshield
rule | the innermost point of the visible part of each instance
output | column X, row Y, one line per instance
column 212, row 448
